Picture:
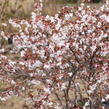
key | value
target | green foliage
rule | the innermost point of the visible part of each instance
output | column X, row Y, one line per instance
column 72, row 1
column 96, row 1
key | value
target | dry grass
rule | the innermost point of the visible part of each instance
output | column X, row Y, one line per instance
column 19, row 102
column 22, row 8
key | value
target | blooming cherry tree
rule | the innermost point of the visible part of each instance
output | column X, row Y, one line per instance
column 62, row 53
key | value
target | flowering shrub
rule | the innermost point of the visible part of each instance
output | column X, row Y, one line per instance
column 65, row 54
